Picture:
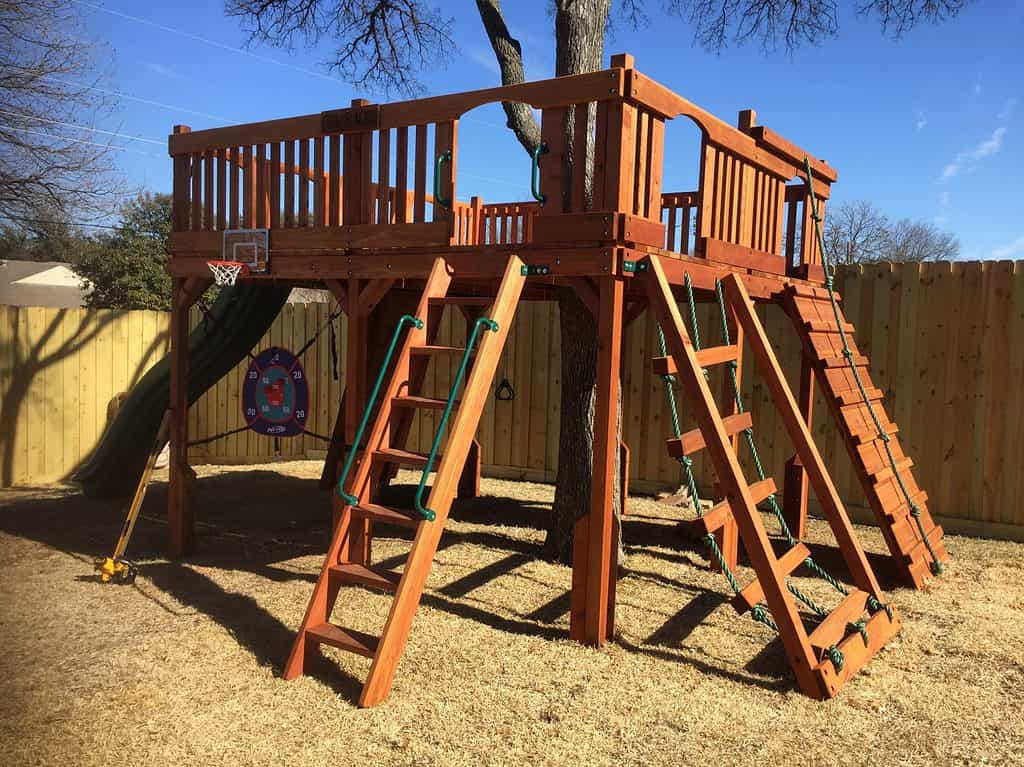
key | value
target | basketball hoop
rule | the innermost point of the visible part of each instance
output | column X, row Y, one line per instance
column 227, row 272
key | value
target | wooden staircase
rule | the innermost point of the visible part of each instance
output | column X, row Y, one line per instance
column 812, row 313
column 348, row 558
column 825, row 657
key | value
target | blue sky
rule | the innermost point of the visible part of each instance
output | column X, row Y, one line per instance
column 927, row 127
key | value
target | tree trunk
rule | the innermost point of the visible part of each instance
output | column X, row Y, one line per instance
column 579, row 34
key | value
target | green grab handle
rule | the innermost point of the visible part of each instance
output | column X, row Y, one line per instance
column 538, row 150
column 487, row 324
column 405, row 319
column 441, row 160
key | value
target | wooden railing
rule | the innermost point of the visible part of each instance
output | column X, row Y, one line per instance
column 366, row 177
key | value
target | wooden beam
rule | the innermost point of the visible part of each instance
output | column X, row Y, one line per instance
column 795, row 489
column 371, row 295
column 600, row 549
column 180, row 508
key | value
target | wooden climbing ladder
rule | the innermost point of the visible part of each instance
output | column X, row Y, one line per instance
column 899, row 505
column 843, row 640
column 348, row 556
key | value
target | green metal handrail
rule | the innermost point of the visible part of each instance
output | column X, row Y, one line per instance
column 405, row 319
column 538, row 150
column 486, row 324
column 441, row 160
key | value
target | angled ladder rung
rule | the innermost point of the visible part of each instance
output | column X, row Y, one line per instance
column 834, row 627
column 354, row 574
column 350, row 640
column 754, row 593
column 421, row 403
column 721, row 513
column 387, row 516
column 713, row 355
column 434, row 350
column 403, row 457
column 693, row 441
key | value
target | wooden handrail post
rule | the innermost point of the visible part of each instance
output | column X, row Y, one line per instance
column 180, row 497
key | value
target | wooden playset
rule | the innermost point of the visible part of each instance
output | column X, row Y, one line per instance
column 341, row 199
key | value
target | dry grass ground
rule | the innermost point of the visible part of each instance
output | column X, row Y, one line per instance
column 183, row 667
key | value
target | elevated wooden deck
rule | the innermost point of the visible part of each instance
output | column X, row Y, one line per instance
column 370, row 191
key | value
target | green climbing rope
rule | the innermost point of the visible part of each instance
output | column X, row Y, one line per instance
column 758, row 612
column 829, row 269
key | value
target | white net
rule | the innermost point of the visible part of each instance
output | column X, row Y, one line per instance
column 226, row 272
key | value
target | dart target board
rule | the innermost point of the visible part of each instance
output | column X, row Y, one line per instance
column 275, row 394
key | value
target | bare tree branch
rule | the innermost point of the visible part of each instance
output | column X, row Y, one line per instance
column 857, row 232
column 381, row 43
column 509, row 54
column 44, row 169
column 716, row 23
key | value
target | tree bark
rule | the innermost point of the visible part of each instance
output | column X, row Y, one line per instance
column 579, row 47
column 580, row 27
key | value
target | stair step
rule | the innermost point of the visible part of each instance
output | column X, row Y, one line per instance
column 388, row 516
column 853, row 396
column 886, row 472
column 361, row 575
column 827, row 326
column 344, row 639
column 754, row 593
column 721, row 513
column 462, row 300
column 706, row 358
column 424, row 403
column 840, row 362
column 833, row 628
column 693, row 440
column 432, row 350
column 403, row 457
column 920, row 551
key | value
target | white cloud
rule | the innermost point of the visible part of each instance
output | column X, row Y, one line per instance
column 1007, row 110
column 921, row 121
column 1009, row 250
column 161, row 70
column 966, row 159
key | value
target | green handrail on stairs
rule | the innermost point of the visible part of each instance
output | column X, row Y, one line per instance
column 441, row 160
column 486, row 324
column 405, row 319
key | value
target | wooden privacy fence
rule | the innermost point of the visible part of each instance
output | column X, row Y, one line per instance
column 946, row 343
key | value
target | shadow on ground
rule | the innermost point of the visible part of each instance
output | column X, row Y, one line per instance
column 254, row 521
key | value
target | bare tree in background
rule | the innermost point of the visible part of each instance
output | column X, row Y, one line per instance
column 920, row 241
column 381, row 42
column 857, row 232
column 49, row 169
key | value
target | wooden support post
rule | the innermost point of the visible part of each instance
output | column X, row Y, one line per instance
column 180, row 501
column 469, row 482
column 358, row 546
column 592, row 605
column 795, row 490
column 728, row 536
